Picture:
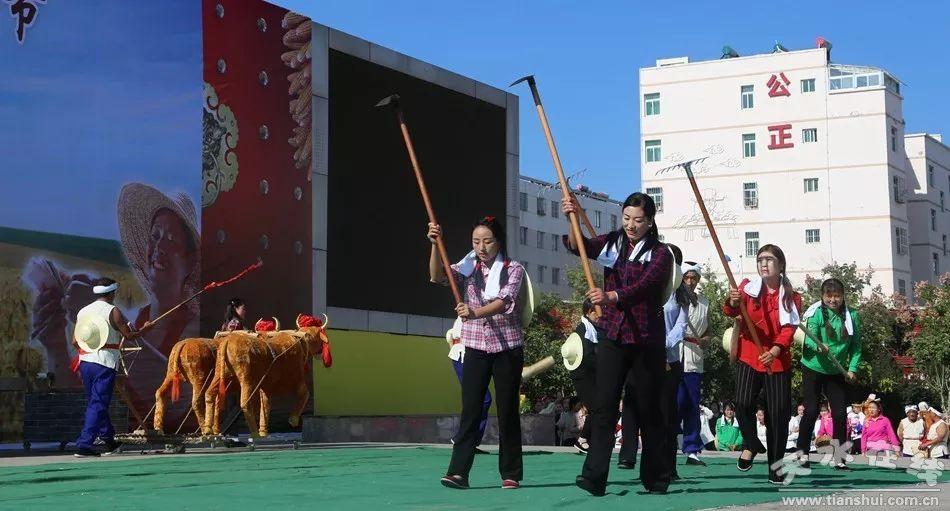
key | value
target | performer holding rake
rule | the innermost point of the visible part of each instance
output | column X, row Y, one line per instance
column 772, row 305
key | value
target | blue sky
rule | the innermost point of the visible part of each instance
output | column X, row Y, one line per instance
column 586, row 57
column 96, row 97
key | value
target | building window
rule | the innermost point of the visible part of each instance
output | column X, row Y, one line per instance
column 933, row 220
column 523, row 235
column 809, row 135
column 900, row 239
column 541, row 269
column 653, row 150
column 812, row 236
column 898, row 186
column 936, row 264
column 748, row 145
column 540, row 239
column 930, row 175
column 597, row 219
column 746, row 93
column 657, row 195
column 555, row 241
column 750, row 195
column 555, row 209
column 942, row 208
column 651, row 103
column 893, row 140
column 751, row 244
column 945, row 245
column 523, row 198
column 811, row 184
column 808, row 85
column 556, row 276
column 902, row 287
column 613, row 221
column 541, row 206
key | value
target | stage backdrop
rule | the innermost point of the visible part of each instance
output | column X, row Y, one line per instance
column 100, row 107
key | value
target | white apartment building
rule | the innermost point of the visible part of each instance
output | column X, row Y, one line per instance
column 802, row 153
column 542, row 224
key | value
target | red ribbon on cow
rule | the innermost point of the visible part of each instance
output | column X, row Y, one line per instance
column 265, row 325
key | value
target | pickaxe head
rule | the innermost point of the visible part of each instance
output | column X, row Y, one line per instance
column 532, row 84
column 392, row 101
column 529, row 79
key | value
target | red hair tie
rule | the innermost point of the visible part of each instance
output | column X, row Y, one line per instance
column 488, row 219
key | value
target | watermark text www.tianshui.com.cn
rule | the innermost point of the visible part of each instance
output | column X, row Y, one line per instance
column 864, row 499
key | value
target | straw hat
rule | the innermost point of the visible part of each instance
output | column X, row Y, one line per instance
column 573, row 351
column 727, row 339
column 676, row 278
column 455, row 333
column 91, row 333
column 525, row 301
column 799, row 338
column 137, row 207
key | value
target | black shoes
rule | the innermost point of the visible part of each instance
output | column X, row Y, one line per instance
column 627, row 465
column 85, row 452
column 692, row 459
column 455, row 482
column 597, row 490
column 744, row 465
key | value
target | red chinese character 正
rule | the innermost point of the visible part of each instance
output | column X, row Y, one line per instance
column 780, row 135
column 778, row 88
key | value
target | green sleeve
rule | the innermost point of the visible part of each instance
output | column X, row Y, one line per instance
column 857, row 345
column 815, row 325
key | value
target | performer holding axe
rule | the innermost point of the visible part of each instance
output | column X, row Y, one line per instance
column 838, row 329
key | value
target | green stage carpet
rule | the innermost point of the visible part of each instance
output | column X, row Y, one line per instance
column 388, row 478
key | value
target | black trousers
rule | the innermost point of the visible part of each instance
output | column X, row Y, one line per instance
column 585, row 383
column 834, row 388
column 778, row 409
column 480, row 367
column 669, row 409
column 629, row 425
column 646, row 365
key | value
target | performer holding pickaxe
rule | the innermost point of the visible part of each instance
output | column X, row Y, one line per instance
column 491, row 331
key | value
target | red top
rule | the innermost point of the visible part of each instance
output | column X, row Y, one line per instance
column 764, row 312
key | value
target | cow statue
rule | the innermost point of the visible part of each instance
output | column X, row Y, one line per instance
column 192, row 360
column 265, row 365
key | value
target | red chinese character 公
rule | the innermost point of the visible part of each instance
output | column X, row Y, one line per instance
column 778, row 88
column 780, row 136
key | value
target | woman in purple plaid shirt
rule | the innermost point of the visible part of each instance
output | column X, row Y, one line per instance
column 636, row 269
column 492, row 335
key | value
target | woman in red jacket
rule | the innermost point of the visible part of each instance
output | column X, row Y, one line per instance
column 773, row 306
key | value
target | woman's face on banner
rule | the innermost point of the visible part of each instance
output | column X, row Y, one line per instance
column 169, row 258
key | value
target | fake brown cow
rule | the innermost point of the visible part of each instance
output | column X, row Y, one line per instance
column 191, row 360
column 266, row 365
